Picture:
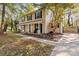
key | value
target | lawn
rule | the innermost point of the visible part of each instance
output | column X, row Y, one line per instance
column 13, row 45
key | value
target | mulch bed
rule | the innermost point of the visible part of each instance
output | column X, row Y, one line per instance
column 48, row 36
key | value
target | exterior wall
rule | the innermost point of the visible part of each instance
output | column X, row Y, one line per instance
column 32, row 26
column 48, row 19
column 33, row 22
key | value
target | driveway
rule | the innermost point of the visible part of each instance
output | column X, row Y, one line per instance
column 68, row 45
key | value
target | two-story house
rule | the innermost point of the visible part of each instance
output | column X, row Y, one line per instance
column 36, row 21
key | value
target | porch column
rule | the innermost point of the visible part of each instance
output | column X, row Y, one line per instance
column 61, row 27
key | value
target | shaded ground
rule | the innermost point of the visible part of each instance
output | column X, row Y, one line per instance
column 68, row 45
column 13, row 45
column 46, row 36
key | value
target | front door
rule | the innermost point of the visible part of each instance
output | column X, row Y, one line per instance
column 38, row 28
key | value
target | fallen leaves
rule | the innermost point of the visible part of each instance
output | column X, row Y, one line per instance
column 14, row 46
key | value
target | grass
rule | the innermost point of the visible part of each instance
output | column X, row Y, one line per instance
column 13, row 45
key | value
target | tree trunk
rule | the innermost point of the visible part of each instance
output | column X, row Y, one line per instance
column 11, row 24
column 3, row 15
column 5, row 27
column 15, row 24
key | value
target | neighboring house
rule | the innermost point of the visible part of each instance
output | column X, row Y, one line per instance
column 36, row 21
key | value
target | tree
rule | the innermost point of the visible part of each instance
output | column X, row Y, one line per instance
column 3, row 15
column 8, row 7
column 12, row 12
column 58, row 10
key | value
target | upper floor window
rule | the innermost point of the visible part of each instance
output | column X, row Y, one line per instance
column 38, row 14
column 29, row 17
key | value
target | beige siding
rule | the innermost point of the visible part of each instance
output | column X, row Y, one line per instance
column 34, row 21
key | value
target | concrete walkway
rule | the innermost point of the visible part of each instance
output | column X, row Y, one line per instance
column 68, row 45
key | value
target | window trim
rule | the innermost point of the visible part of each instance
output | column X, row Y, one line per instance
column 38, row 14
column 30, row 15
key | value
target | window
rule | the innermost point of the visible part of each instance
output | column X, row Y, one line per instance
column 29, row 17
column 38, row 14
